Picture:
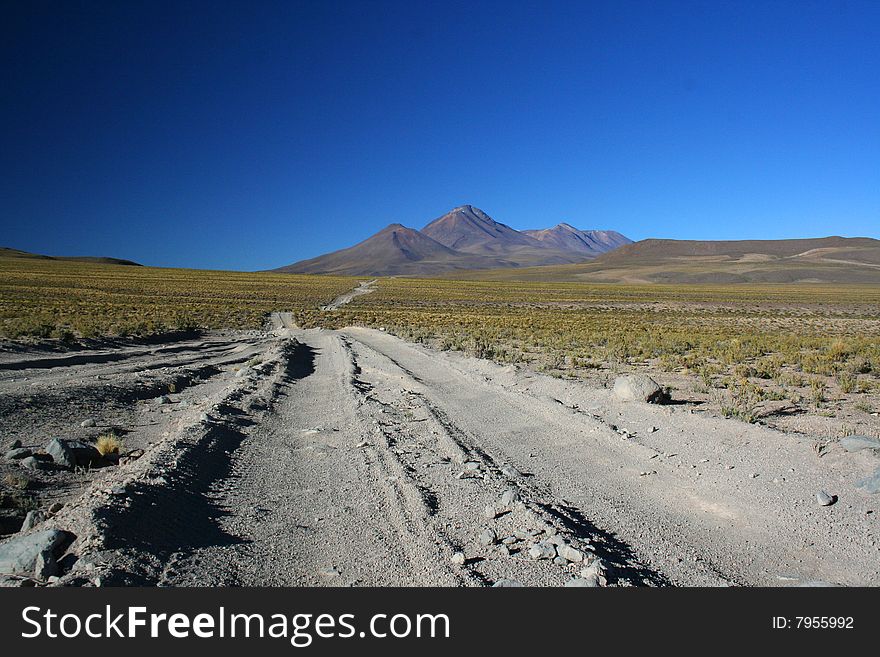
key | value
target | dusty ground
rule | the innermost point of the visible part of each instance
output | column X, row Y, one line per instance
column 314, row 457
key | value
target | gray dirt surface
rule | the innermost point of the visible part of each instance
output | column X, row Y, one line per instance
column 352, row 458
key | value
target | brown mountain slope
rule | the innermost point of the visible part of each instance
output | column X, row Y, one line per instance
column 394, row 251
column 657, row 249
column 470, row 230
column 820, row 260
column 16, row 253
column 589, row 242
column 464, row 238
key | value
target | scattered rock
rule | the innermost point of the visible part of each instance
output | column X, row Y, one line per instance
column 639, row 387
column 131, row 456
column 491, row 511
column 458, row 558
column 19, row 453
column 583, row 582
column 509, row 496
column 15, row 444
column 87, row 423
column 329, row 571
column 559, row 561
column 471, row 466
column 570, row 553
column 825, row 499
column 510, row 540
column 32, row 463
column 871, row 483
column 858, row 443
column 164, row 399
column 511, row 472
column 596, row 568
column 469, row 474
column 31, row 520
column 488, row 536
column 542, row 550
column 18, row 555
column 55, row 507
column 505, row 583
column 72, row 453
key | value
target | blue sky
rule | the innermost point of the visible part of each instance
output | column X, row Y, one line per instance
column 249, row 135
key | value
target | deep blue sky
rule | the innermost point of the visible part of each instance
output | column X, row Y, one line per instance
column 249, row 135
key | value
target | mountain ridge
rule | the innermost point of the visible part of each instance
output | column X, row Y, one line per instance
column 7, row 252
column 462, row 239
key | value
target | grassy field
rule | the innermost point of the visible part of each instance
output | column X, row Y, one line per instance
column 55, row 299
column 741, row 345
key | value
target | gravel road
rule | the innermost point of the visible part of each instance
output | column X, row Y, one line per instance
column 353, row 458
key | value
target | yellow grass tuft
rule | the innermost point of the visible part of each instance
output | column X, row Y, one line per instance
column 108, row 444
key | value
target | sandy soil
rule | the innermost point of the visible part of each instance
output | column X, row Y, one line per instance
column 313, row 457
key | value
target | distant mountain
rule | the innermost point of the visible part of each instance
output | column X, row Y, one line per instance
column 462, row 239
column 15, row 253
column 471, row 230
column 394, row 251
column 590, row 242
column 845, row 260
column 658, row 250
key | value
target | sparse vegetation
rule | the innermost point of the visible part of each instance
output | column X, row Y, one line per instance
column 756, row 343
column 14, row 493
column 15, row 481
column 69, row 300
column 108, row 443
column 805, row 343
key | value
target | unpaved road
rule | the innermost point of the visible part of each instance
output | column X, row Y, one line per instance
column 353, row 458
column 366, row 287
column 310, row 496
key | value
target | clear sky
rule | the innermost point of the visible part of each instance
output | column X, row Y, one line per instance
column 248, row 135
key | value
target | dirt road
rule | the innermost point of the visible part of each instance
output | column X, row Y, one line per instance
column 353, row 458
column 356, row 474
column 365, row 287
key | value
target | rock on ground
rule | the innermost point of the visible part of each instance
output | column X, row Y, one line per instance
column 32, row 519
column 858, row 443
column 871, row 483
column 32, row 463
column 639, row 387
column 72, row 453
column 18, row 555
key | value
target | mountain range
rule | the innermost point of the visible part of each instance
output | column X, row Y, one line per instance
column 837, row 260
column 466, row 238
